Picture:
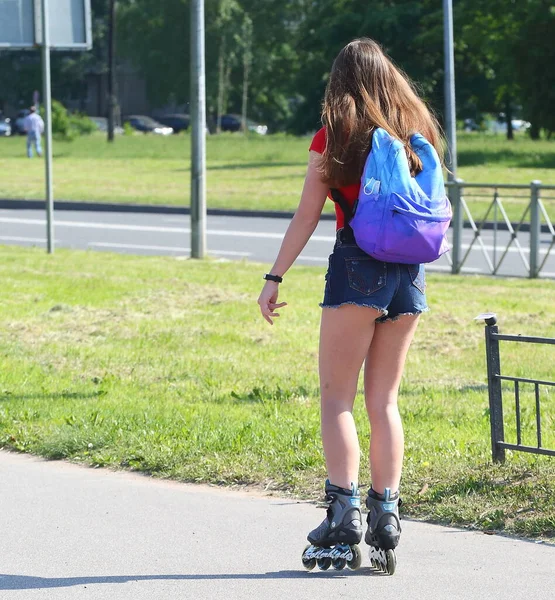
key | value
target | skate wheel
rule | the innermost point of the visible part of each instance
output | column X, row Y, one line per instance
column 356, row 561
column 324, row 563
column 308, row 563
column 339, row 563
column 391, row 562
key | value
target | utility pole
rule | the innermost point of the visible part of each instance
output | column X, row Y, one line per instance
column 450, row 111
column 198, row 137
column 111, row 70
column 45, row 50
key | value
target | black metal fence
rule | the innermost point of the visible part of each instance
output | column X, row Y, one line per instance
column 495, row 379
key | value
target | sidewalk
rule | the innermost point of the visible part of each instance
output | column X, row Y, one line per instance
column 70, row 532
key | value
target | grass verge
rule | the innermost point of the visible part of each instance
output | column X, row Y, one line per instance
column 253, row 172
column 164, row 366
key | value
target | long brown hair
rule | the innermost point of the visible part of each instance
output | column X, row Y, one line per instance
column 365, row 91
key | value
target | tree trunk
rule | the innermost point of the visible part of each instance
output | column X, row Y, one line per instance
column 247, row 59
column 227, row 84
column 112, row 70
column 221, row 85
column 509, row 118
column 246, row 69
column 535, row 130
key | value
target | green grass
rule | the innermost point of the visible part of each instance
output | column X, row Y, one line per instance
column 253, row 172
column 165, row 366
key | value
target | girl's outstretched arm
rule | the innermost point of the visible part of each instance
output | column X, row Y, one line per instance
column 298, row 233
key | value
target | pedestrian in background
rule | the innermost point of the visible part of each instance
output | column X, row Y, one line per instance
column 34, row 126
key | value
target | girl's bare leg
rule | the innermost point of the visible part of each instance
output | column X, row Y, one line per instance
column 345, row 336
column 382, row 376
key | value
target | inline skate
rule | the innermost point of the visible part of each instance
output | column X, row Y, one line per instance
column 334, row 543
column 384, row 529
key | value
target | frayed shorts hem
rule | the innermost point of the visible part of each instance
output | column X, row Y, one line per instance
column 382, row 310
column 384, row 317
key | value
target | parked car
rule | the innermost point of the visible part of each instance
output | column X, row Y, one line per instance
column 17, row 122
column 178, row 122
column 148, row 125
column 471, row 125
column 5, row 127
column 233, row 123
column 102, row 125
column 500, row 125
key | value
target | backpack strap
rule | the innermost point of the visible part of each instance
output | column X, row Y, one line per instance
column 340, row 199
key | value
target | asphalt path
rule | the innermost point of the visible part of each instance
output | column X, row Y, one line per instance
column 235, row 238
column 70, row 532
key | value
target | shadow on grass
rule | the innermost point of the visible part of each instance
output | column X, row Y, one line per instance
column 237, row 167
column 24, row 582
column 265, row 394
column 58, row 396
column 511, row 158
column 256, row 165
column 465, row 486
column 477, row 387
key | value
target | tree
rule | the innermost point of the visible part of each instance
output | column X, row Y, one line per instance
column 246, row 38
column 281, row 61
column 409, row 31
column 534, row 57
column 230, row 13
column 512, row 46
column 154, row 36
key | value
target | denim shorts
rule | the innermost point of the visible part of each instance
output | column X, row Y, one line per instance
column 354, row 277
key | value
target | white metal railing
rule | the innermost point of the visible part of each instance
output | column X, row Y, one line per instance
column 527, row 214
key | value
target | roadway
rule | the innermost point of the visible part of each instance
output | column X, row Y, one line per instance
column 229, row 237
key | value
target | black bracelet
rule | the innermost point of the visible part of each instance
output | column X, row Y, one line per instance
column 270, row 277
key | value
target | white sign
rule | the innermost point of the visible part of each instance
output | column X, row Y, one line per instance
column 69, row 20
column 17, row 23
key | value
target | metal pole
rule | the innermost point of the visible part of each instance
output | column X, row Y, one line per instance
column 450, row 112
column 47, row 101
column 198, row 137
column 494, row 391
column 455, row 192
column 535, row 227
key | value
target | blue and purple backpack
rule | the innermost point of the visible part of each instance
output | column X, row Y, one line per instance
column 399, row 218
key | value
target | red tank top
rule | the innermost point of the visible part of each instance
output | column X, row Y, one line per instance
column 350, row 192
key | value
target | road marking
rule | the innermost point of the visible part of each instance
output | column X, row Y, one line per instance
column 174, row 219
column 94, row 225
column 122, row 227
column 6, row 238
column 219, row 232
column 162, row 248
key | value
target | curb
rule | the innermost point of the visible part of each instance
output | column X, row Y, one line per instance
column 9, row 204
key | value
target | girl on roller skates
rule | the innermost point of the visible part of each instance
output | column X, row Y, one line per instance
column 370, row 309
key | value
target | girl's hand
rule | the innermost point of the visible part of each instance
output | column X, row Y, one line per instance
column 268, row 301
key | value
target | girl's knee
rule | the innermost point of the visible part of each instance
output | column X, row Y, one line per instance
column 379, row 411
